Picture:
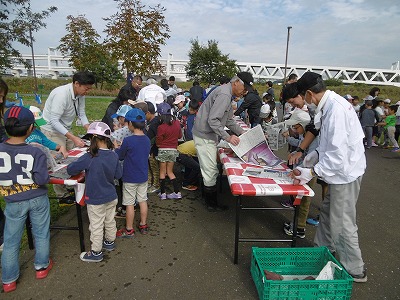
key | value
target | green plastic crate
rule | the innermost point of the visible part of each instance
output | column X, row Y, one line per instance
column 298, row 261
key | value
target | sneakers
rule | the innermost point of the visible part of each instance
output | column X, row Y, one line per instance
column 108, row 246
column 217, row 208
column 91, row 256
column 360, row 278
column 287, row 203
column 120, row 213
column 9, row 287
column 144, row 229
column 189, row 187
column 374, row 144
column 67, row 201
column 162, row 196
column 42, row 273
column 288, row 229
column 312, row 221
column 397, row 149
column 153, row 189
column 124, row 233
column 174, row 195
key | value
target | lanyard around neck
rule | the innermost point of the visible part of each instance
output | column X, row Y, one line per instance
column 76, row 111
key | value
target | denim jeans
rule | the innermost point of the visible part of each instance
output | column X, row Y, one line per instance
column 16, row 213
column 368, row 135
column 2, row 222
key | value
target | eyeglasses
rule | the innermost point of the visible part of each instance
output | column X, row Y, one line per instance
column 295, row 127
column 86, row 87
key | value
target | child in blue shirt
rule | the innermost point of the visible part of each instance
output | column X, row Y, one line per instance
column 190, row 118
column 135, row 151
column 23, row 180
column 101, row 166
column 38, row 137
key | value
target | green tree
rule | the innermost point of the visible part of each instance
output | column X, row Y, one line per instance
column 135, row 34
column 103, row 65
column 207, row 63
column 81, row 38
column 81, row 44
column 17, row 24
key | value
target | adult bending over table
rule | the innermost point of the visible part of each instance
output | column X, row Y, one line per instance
column 212, row 117
column 64, row 105
column 340, row 162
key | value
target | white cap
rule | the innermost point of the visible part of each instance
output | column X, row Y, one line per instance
column 348, row 97
column 159, row 98
column 398, row 103
column 134, row 102
column 369, row 97
column 388, row 101
column 99, row 128
column 299, row 116
column 37, row 113
column 179, row 99
column 265, row 111
column 151, row 81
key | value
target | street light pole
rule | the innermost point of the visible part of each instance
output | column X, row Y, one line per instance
column 287, row 50
column 33, row 59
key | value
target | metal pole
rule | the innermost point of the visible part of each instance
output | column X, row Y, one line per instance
column 287, row 50
column 169, row 57
column 33, row 60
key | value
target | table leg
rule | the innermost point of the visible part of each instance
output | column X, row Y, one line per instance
column 80, row 226
column 294, row 236
column 29, row 233
column 220, row 170
column 238, row 204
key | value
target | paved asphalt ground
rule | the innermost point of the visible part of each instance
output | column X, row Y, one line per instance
column 188, row 253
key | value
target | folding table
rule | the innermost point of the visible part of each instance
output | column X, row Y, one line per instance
column 72, row 181
column 243, row 186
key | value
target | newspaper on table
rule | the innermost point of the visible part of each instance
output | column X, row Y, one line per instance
column 274, row 134
column 277, row 175
column 253, row 149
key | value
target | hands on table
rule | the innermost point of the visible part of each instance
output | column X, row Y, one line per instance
column 301, row 175
column 63, row 151
column 234, row 140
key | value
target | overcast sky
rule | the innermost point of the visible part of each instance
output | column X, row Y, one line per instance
column 342, row 33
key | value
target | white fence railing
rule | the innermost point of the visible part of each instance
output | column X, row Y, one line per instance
column 54, row 65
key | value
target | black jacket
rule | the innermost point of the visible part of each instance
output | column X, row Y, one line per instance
column 196, row 93
column 252, row 102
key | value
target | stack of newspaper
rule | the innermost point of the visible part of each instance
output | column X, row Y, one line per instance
column 253, row 149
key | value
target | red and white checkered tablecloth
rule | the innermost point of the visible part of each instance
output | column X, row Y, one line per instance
column 241, row 123
column 253, row 186
column 73, row 153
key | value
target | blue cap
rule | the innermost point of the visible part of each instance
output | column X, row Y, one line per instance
column 122, row 110
column 164, row 109
column 22, row 114
column 135, row 115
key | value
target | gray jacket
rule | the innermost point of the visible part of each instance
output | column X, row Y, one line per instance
column 216, row 113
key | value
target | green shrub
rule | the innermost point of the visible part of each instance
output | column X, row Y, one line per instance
column 333, row 82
